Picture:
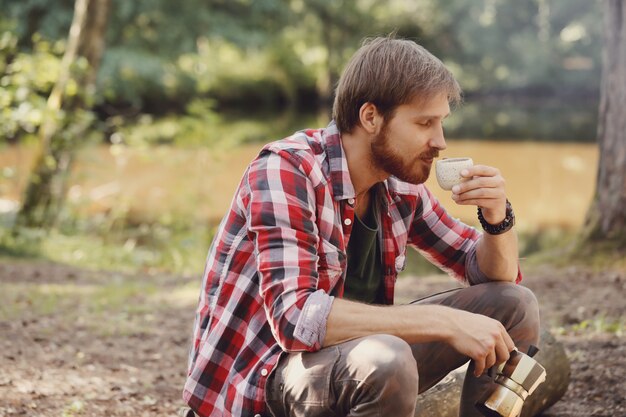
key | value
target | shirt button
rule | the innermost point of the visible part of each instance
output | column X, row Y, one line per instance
column 351, row 201
column 347, row 222
column 264, row 372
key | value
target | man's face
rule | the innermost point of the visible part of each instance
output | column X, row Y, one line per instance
column 407, row 144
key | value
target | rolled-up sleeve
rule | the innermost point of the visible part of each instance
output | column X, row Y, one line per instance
column 311, row 325
column 281, row 223
column 473, row 273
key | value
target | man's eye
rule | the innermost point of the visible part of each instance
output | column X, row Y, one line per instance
column 427, row 123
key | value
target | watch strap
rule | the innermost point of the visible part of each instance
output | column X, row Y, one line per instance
column 504, row 226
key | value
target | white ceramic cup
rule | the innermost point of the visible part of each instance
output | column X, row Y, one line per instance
column 449, row 171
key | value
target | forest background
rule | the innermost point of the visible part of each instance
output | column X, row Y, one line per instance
column 148, row 123
column 204, row 79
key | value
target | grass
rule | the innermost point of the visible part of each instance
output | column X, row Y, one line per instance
column 108, row 303
column 37, row 299
column 600, row 325
column 73, row 409
column 123, row 307
column 564, row 249
column 34, row 298
column 146, row 248
column 600, row 255
column 593, row 326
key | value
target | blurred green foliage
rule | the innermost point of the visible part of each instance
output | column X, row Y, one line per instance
column 163, row 55
column 109, row 243
column 26, row 79
column 219, row 73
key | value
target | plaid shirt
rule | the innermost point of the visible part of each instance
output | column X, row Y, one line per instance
column 279, row 258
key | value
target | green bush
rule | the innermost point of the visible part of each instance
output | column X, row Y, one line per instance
column 144, row 82
column 26, row 79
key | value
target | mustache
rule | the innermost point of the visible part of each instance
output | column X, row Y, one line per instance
column 431, row 154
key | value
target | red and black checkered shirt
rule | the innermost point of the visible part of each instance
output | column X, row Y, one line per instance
column 279, row 258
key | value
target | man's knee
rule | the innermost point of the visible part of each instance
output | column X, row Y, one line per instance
column 386, row 361
column 513, row 305
column 520, row 300
column 388, row 354
column 383, row 368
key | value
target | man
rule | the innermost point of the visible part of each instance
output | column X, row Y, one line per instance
column 295, row 315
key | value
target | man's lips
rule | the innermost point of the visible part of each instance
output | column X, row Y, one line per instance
column 428, row 157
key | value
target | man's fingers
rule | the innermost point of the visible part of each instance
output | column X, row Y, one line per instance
column 480, row 182
column 502, row 351
column 485, row 203
column 490, row 360
column 480, row 171
column 479, row 366
column 479, row 193
column 510, row 345
column 496, row 182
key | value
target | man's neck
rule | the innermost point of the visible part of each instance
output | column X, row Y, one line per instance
column 362, row 204
column 363, row 172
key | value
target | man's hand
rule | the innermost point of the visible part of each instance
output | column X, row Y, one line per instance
column 484, row 189
column 482, row 338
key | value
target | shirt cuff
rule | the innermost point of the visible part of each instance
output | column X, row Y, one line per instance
column 311, row 325
column 473, row 274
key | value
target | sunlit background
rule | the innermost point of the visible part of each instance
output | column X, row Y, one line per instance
column 187, row 93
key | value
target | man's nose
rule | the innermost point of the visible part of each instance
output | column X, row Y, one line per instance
column 438, row 139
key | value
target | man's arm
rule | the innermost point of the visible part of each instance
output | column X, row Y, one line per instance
column 479, row 337
column 497, row 255
column 280, row 213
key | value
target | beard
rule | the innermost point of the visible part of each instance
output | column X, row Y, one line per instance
column 412, row 170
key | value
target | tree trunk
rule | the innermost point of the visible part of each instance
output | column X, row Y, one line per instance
column 45, row 191
column 606, row 219
column 443, row 399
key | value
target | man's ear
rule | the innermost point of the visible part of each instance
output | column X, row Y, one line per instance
column 371, row 120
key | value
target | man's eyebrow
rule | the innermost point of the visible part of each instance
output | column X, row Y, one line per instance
column 433, row 116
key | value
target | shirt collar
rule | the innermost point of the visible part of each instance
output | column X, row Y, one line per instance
column 339, row 174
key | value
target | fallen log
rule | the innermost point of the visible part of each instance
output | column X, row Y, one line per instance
column 442, row 400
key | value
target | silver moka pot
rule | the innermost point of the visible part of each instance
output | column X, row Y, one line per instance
column 515, row 380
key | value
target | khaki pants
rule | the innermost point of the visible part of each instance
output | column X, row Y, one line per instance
column 381, row 375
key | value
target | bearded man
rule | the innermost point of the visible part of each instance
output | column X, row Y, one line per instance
column 296, row 314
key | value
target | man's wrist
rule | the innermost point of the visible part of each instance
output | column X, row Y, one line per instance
column 493, row 216
column 495, row 227
column 449, row 327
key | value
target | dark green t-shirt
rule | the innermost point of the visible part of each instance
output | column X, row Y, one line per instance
column 363, row 278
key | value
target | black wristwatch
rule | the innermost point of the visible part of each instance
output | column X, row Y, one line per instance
column 504, row 226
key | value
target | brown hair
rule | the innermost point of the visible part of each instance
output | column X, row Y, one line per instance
column 388, row 72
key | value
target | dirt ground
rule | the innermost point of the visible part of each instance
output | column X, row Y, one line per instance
column 86, row 350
